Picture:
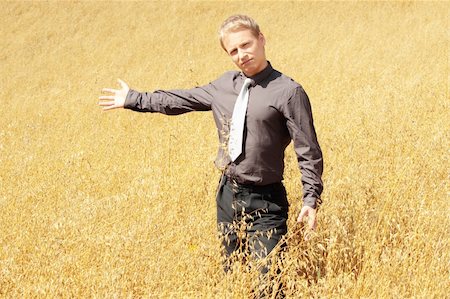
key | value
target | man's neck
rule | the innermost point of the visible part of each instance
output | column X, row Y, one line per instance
column 262, row 68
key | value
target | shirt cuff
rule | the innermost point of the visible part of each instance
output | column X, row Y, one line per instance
column 130, row 100
column 312, row 202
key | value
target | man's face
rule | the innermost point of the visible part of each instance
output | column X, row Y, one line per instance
column 246, row 51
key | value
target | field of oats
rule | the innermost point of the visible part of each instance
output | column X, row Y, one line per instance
column 121, row 204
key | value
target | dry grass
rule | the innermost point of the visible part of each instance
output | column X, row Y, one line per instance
column 121, row 204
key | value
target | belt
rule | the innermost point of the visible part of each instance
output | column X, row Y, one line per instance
column 251, row 187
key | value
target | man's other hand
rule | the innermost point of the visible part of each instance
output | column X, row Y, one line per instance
column 117, row 99
column 310, row 214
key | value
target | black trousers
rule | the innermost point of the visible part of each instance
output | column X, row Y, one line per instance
column 251, row 218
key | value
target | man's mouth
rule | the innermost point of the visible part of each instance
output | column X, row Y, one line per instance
column 246, row 62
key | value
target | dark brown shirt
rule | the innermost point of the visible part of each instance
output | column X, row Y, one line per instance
column 278, row 111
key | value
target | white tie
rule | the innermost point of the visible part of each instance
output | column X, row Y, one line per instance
column 237, row 122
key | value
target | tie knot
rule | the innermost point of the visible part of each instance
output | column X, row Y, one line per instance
column 247, row 82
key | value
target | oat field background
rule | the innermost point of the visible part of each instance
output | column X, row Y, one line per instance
column 121, row 204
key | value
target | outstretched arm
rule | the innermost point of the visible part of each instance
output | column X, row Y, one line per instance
column 117, row 99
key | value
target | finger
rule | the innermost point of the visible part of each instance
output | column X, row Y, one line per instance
column 109, row 90
column 122, row 83
column 109, row 108
column 106, row 97
column 308, row 235
column 300, row 216
column 312, row 222
column 109, row 103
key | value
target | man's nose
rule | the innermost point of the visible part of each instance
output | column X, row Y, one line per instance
column 242, row 54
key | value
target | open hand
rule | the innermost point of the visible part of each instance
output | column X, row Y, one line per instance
column 117, row 99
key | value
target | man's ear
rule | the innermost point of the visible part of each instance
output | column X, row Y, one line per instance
column 262, row 39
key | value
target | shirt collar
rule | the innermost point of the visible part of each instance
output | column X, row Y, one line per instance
column 259, row 77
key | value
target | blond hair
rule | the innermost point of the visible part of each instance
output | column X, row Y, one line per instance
column 235, row 23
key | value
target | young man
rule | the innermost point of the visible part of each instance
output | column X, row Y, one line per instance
column 257, row 111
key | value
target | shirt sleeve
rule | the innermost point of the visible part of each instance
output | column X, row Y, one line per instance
column 300, row 124
column 171, row 102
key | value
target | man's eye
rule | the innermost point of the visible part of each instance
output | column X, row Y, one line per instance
column 233, row 52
